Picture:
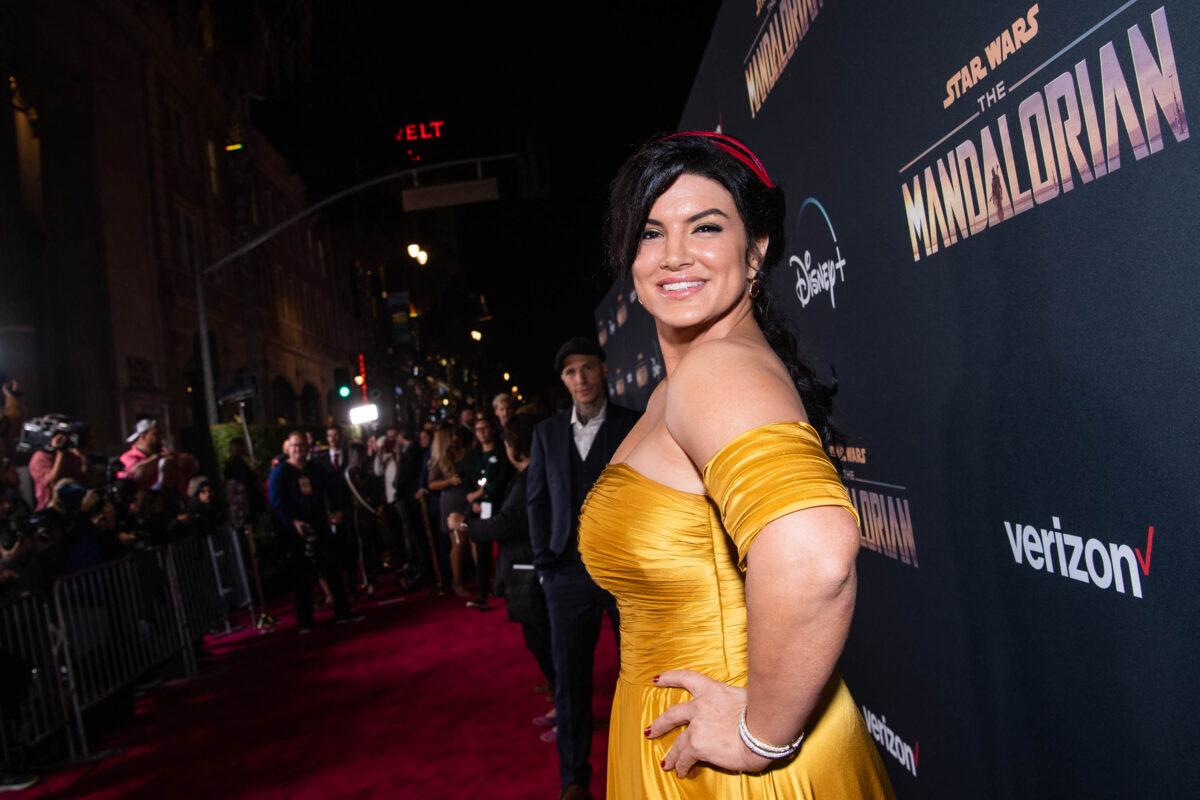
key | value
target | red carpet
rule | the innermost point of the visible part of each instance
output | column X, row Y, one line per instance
column 423, row 699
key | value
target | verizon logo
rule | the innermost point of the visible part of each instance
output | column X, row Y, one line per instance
column 1105, row 565
column 908, row 755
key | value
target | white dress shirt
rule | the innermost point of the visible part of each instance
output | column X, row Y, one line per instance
column 385, row 467
column 585, row 434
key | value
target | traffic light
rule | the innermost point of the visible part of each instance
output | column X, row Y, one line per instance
column 341, row 381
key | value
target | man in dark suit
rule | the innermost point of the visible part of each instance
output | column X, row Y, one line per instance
column 408, row 470
column 570, row 450
column 344, row 544
column 335, row 454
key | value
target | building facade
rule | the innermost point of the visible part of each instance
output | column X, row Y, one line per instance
column 124, row 168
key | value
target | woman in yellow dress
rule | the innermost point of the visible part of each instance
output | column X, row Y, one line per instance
column 720, row 525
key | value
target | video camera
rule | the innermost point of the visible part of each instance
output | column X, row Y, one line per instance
column 36, row 433
column 25, row 526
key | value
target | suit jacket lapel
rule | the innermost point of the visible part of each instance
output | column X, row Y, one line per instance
column 565, row 441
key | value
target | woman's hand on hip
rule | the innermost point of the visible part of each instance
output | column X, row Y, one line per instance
column 711, row 717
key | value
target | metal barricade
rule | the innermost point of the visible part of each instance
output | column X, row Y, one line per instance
column 229, row 566
column 27, row 649
column 194, row 582
column 116, row 622
column 110, row 625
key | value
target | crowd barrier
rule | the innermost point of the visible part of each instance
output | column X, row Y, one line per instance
column 32, row 705
column 104, row 628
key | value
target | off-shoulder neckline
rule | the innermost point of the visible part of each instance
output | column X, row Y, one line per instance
column 746, row 433
column 735, row 440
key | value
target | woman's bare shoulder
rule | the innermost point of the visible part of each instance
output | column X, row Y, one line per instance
column 723, row 388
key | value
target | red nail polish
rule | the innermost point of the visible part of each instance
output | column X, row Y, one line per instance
column 646, row 732
column 655, row 678
column 663, row 763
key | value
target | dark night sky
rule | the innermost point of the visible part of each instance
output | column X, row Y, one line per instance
column 588, row 81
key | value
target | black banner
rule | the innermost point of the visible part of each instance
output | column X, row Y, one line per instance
column 991, row 216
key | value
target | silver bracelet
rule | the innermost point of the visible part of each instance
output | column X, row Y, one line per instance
column 762, row 748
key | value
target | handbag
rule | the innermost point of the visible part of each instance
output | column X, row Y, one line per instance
column 526, row 602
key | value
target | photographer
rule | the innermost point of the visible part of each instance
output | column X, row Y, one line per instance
column 31, row 548
column 20, row 568
column 140, row 463
column 12, row 503
column 61, row 458
column 12, row 414
column 132, row 532
column 303, row 504
column 164, row 507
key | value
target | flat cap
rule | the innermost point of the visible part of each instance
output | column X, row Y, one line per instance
column 577, row 346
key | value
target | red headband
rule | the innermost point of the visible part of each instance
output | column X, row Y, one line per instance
column 734, row 148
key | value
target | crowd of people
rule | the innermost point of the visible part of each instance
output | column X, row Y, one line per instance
column 430, row 505
column 78, row 510
column 420, row 504
column 479, row 504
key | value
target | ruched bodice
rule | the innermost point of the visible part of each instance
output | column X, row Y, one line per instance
column 674, row 562
column 659, row 563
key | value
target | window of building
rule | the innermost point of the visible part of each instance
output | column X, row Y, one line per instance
column 29, row 149
column 310, row 405
column 184, row 233
column 283, row 401
column 213, row 181
column 141, row 373
column 180, row 138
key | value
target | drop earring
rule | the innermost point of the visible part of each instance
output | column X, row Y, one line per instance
column 755, row 285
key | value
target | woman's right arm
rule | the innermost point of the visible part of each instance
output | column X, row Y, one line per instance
column 436, row 481
column 800, row 576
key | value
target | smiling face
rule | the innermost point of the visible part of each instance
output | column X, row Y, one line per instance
column 691, row 265
column 296, row 448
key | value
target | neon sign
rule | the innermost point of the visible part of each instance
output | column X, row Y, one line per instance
column 416, row 131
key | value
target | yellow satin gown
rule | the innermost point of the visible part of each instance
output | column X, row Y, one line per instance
column 674, row 561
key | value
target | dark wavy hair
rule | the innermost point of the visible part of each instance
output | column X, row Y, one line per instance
column 649, row 172
column 518, row 433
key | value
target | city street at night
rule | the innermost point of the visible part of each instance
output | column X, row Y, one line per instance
column 658, row 400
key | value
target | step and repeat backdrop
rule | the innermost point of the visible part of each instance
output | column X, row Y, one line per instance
column 992, row 220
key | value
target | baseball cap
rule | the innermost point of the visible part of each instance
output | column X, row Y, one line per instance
column 142, row 426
